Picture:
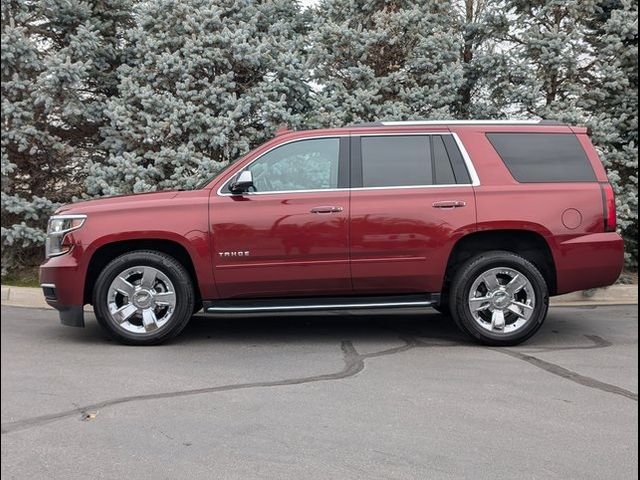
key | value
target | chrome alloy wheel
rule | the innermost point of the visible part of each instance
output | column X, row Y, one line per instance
column 141, row 299
column 502, row 300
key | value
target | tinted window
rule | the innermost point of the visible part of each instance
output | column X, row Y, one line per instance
column 543, row 157
column 457, row 161
column 442, row 169
column 394, row 161
column 303, row 165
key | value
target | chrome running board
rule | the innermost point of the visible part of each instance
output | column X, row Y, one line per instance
column 319, row 303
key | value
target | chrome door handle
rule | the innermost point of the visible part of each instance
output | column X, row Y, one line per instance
column 327, row 209
column 449, row 204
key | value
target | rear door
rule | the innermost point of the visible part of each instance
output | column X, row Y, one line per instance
column 412, row 197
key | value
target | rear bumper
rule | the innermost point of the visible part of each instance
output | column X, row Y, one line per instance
column 589, row 261
column 62, row 282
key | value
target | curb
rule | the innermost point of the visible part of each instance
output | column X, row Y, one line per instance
column 22, row 297
column 614, row 295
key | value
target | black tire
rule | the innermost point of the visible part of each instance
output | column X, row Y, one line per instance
column 167, row 265
column 442, row 308
column 460, row 290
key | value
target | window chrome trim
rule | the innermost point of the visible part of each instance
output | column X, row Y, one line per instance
column 404, row 187
column 475, row 180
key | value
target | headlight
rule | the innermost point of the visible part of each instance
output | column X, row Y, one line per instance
column 59, row 226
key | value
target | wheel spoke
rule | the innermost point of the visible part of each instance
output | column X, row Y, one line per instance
column 149, row 320
column 479, row 303
column 516, row 284
column 123, row 313
column 497, row 320
column 165, row 298
column 524, row 306
column 148, row 277
column 491, row 281
column 515, row 309
column 122, row 286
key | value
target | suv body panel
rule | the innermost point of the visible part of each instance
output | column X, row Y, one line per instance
column 584, row 256
column 274, row 245
column 400, row 242
column 141, row 217
column 387, row 240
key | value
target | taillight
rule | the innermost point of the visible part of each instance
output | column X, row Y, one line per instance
column 610, row 216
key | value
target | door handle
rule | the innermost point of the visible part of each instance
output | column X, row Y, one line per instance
column 449, row 204
column 327, row 209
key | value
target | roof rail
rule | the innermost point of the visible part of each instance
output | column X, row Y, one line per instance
column 456, row 122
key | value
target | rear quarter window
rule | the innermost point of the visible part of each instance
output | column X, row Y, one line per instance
column 543, row 157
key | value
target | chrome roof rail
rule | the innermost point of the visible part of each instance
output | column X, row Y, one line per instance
column 409, row 123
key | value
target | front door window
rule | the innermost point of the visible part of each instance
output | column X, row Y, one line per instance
column 303, row 165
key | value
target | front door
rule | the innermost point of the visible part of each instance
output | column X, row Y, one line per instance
column 290, row 236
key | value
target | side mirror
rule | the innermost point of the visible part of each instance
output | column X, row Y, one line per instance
column 242, row 183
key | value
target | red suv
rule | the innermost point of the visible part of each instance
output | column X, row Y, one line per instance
column 481, row 220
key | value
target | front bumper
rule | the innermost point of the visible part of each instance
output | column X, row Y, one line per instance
column 62, row 282
column 70, row 315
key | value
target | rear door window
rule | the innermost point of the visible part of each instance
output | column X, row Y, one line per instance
column 442, row 168
column 543, row 157
column 396, row 161
column 408, row 160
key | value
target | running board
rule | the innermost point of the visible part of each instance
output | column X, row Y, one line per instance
column 269, row 305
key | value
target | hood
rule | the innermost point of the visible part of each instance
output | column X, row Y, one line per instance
column 118, row 202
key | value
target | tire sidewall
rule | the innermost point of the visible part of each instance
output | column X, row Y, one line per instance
column 467, row 276
column 172, row 269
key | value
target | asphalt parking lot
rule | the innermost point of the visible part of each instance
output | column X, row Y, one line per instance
column 334, row 397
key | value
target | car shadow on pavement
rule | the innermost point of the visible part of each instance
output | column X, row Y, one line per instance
column 319, row 328
column 563, row 329
column 316, row 328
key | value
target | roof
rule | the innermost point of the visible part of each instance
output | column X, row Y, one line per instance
column 409, row 123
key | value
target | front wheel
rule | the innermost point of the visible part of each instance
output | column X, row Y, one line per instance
column 499, row 298
column 143, row 298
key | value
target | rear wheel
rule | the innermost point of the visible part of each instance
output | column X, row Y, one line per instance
column 442, row 308
column 499, row 298
column 143, row 298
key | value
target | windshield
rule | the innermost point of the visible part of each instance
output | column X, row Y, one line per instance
column 203, row 183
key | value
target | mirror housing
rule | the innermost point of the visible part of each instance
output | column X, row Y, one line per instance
column 242, row 183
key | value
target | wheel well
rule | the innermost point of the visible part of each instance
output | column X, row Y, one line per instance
column 103, row 255
column 529, row 245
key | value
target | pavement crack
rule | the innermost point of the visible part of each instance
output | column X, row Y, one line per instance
column 570, row 374
column 409, row 343
column 597, row 342
column 353, row 364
